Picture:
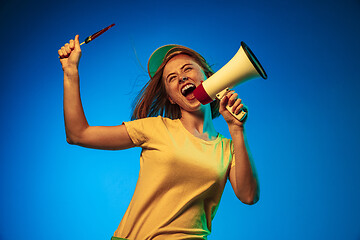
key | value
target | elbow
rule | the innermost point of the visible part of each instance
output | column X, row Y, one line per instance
column 250, row 198
column 73, row 138
column 253, row 194
column 70, row 140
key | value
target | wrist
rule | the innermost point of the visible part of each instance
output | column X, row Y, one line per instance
column 71, row 71
column 236, row 129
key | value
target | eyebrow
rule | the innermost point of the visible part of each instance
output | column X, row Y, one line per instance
column 180, row 69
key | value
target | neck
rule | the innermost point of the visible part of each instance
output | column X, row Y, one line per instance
column 200, row 123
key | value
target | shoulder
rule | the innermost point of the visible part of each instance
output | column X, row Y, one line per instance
column 226, row 142
column 150, row 125
column 160, row 121
column 143, row 130
column 224, row 139
column 147, row 120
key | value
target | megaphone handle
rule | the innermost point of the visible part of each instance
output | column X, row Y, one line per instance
column 240, row 116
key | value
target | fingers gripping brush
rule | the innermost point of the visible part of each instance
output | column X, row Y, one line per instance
column 95, row 35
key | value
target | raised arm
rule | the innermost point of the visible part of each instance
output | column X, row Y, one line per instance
column 77, row 128
column 243, row 176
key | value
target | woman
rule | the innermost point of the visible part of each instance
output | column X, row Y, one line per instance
column 184, row 163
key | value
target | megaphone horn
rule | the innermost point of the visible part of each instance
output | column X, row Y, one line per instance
column 241, row 68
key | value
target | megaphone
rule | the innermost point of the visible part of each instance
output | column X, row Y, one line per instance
column 241, row 68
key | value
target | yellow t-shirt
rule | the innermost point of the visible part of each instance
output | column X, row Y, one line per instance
column 180, row 183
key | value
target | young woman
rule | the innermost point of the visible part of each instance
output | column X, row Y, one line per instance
column 184, row 163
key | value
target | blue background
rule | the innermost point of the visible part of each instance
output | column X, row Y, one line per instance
column 303, row 128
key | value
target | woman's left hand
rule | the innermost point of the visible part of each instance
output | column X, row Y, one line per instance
column 231, row 99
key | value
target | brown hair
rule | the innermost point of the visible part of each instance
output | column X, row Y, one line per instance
column 153, row 100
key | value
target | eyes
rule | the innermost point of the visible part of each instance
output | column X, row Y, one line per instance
column 173, row 76
column 187, row 69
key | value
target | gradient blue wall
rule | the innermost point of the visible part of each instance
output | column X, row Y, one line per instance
column 303, row 127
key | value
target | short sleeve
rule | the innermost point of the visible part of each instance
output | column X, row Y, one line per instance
column 141, row 130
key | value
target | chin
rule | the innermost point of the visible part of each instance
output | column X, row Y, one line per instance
column 193, row 107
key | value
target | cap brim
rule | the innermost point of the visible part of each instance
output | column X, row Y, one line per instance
column 157, row 57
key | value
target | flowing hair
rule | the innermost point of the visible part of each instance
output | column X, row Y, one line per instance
column 153, row 99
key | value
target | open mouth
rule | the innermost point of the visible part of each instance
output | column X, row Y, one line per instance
column 188, row 89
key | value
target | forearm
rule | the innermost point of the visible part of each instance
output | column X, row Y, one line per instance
column 75, row 120
column 247, row 186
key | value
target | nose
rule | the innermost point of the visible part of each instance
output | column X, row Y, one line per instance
column 183, row 79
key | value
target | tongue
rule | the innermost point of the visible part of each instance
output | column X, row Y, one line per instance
column 190, row 96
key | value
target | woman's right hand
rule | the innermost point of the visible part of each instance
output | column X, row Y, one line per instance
column 70, row 54
column 77, row 128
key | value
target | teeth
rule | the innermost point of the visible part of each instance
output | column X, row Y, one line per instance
column 186, row 88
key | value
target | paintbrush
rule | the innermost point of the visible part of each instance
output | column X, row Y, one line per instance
column 95, row 35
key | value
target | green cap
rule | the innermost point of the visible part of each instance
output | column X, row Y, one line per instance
column 157, row 57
